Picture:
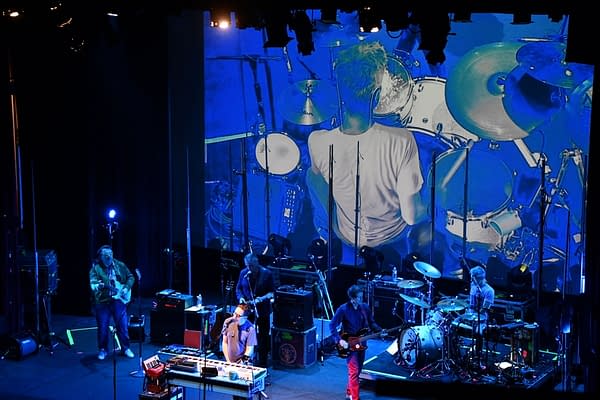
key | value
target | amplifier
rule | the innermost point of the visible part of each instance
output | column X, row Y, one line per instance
column 173, row 301
column 47, row 270
column 167, row 326
column 294, row 349
column 293, row 310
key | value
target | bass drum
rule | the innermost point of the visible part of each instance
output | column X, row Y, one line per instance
column 419, row 346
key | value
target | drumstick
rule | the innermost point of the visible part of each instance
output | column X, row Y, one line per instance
column 461, row 158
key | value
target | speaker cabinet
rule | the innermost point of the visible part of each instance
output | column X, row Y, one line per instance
column 293, row 310
column 136, row 326
column 294, row 349
column 167, row 326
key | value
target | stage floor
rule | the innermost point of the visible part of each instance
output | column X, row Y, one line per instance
column 499, row 365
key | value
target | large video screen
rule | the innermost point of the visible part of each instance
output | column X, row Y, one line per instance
column 470, row 151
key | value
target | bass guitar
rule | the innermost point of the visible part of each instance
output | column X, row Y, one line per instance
column 356, row 342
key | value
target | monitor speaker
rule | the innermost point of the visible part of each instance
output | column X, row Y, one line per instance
column 293, row 310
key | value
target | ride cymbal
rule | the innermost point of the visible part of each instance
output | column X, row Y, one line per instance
column 449, row 305
column 475, row 88
column 415, row 301
column 308, row 102
column 410, row 284
column 427, row 269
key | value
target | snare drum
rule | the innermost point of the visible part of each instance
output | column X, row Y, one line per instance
column 489, row 192
column 283, row 156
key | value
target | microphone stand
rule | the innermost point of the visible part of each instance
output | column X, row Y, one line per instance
column 139, row 373
column 357, row 204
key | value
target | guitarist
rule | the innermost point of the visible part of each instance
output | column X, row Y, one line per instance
column 355, row 318
column 111, row 282
column 256, row 287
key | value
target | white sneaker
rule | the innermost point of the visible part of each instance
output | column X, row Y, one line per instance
column 101, row 354
column 128, row 353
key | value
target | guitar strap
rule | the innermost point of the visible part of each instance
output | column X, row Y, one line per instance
column 364, row 316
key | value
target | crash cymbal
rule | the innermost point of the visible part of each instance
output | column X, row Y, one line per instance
column 474, row 91
column 415, row 301
column 545, row 61
column 308, row 102
column 427, row 269
column 410, row 284
column 528, row 101
column 449, row 305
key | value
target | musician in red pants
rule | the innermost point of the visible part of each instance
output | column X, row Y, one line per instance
column 355, row 319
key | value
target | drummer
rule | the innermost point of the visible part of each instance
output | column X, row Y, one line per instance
column 481, row 299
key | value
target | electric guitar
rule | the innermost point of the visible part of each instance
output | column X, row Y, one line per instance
column 117, row 290
column 355, row 343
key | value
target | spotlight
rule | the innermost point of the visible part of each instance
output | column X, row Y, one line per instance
column 317, row 253
column 372, row 259
column 220, row 18
column 111, row 223
column 300, row 23
column 368, row 20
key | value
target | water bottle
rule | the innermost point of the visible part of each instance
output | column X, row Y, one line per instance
column 199, row 300
column 394, row 274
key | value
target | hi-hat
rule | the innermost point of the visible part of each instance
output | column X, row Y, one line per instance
column 545, row 61
column 410, row 284
column 415, row 301
column 308, row 102
column 475, row 88
column 427, row 269
column 449, row 305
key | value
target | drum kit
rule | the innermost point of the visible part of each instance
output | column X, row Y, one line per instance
column 495, row 96
column 427, row 348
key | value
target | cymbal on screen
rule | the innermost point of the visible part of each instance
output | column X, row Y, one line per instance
column 545, row 61
column 475, row 89
column 308, row 102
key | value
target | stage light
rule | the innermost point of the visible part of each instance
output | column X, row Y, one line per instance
column 317, row 253
column 220, row 18
column 435, row 27
column 276, row 22
column 368, row 20
column 372, row 259
column 300, row 23
column 396, row 18
column 111, row 214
